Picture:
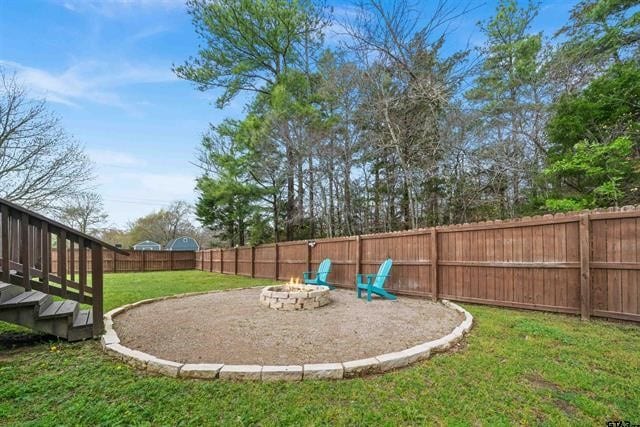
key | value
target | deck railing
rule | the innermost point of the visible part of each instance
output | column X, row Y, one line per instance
column 27, row 242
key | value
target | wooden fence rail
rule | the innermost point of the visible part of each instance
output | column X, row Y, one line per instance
column 586, row 264
column 136, row 261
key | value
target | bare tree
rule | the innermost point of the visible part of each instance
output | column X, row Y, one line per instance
column 84, row 212
column 164, row 225
column 39, row 163
column 409, row 86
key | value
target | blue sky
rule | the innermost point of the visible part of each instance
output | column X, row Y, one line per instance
column 105, row 68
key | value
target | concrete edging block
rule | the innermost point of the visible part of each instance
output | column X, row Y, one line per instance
column 282, row 373
column 241, row 372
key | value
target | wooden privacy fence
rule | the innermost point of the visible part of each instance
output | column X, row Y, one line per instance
column 136, row 261
column 581, row 263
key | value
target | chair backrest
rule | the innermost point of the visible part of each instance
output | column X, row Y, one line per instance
column 383, row 273
column 323, row 269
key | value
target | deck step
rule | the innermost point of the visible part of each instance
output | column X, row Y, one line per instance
column 83, row 318
column 9, row 291
column 82, row 328
column 28, row 298
column 59, row 309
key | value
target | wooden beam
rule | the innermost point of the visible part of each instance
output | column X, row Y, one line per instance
column 82, row 259
column 277, row 260
column 46, row 254
column 5, row 244
column 235, row 261
column 434, row 265
column 72, row 259
column 62, row 260
column 358, row 254
column 25, row 251
column 253, row 261
column 97, row 288
column 585, row 273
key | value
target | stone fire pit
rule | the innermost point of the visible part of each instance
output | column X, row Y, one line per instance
column 295, row 297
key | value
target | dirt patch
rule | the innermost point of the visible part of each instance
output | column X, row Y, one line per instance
column 538, row 381
column 221, row 327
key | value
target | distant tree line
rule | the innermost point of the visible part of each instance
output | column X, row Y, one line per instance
column 161, row 226
column 389, row 132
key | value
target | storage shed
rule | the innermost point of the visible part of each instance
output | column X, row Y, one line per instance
column 182, row 244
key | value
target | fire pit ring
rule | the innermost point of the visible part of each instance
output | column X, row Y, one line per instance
column 291, row 297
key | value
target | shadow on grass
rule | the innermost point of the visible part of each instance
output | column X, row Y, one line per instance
column 15, row 340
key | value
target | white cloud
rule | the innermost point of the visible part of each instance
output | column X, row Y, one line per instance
column 114, row 158
column 90, row 81
column 113, row 8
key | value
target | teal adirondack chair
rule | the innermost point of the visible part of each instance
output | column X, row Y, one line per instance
column 375, row 282
column 321, row 276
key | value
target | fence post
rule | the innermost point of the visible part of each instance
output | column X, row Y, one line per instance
column 221, row 260
column 170, row 260
column 253, row 261
column 144, row 261
column 210, row 261
column 115, row 262
column 585, row 273
column 277, row 267
column 434, row 264
column 308, row 256
column 235, row 261
column 358, row 254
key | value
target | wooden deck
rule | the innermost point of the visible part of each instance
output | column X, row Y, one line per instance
column 28, row 282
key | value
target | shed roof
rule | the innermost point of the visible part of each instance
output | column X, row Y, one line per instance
column 183, row 243
column 148, row 243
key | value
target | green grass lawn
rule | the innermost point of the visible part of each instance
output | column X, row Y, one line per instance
column 516, row 367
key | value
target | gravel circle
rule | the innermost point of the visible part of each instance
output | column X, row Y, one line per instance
column 232, row 327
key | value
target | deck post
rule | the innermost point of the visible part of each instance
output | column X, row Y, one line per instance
column 25, row 251
column 434, row 264
column 46, row 254
column 97, row 288
column 5, row 244
column 585, row 273
column 62, row 261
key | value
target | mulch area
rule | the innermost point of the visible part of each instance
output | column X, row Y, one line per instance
column 232, row 327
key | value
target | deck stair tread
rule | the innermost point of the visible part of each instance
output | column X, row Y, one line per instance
column 28, row 298
column 59, row 309
column 84, row 318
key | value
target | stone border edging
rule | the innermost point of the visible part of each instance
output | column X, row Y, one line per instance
column 315, row 371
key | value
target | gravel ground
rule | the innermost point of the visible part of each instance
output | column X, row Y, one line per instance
column 232, row 327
